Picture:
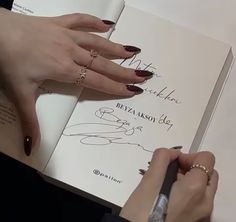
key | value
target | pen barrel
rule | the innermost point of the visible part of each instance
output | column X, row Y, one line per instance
column 159, row 210
column 170, row 178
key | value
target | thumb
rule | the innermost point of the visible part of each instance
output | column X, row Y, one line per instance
column 29, row 121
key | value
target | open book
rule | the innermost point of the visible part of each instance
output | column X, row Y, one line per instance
column 96, row 143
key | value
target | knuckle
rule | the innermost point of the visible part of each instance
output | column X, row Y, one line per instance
column 160, row 152
column 68, row 48
column 76, row 16
column 66, row 66
column 209, row 155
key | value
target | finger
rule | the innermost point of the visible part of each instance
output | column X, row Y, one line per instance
column 141, row 201
column 104, row 46
column 25, row 103
column 101, row 83
column 209, row 195
column 158, row 166
column 81, row 21
column 212, row 186
column 109, row 68
column 70, row 72
column 104, row 84
column 205, row 159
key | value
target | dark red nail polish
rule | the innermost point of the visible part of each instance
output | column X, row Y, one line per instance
column 107, row 22
column 135, row 89
column 177, row 147
column 142, row 171
column 28, row 145
column 132, row 49
column 143, row 73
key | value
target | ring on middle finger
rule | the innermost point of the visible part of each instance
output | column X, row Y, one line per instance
column 93, row 55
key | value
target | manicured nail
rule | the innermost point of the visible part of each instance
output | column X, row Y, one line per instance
column 28, row 145
column 107, row 22
column 135, row 89
column 142, row 171
column 177, row 147
column 132, row 49
column 143, row 73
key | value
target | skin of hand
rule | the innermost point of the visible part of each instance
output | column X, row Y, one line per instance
column 35, row 49
column 192, row 195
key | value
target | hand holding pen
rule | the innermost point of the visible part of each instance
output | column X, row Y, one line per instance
column 191, row 196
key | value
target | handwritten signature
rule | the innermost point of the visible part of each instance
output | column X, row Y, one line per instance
column 112, row 131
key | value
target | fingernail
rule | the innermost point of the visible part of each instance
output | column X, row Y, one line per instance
column 177, row 147
column 108, row 22
column 135, row 89
column 132, row 49
column 143, row 73
column 27, row 145
column 142, row 171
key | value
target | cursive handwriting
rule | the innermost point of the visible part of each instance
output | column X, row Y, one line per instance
column 112, row 130
column 140, row 65
column 164, row 94
column 164, row 120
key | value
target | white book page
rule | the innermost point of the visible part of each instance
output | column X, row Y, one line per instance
column 107, row 141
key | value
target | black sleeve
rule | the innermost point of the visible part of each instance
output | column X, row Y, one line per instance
column 113, row 218
column 6, row 4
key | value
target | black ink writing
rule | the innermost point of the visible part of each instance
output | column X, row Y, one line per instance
column 163, row 94
column 138, row 64
column 112, row 130
column 164, row 120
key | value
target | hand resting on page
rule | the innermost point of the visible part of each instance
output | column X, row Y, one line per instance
column 36, row 49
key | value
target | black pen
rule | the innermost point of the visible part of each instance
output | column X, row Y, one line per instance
column 159, row 210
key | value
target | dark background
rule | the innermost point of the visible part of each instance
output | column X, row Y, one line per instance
column 25, row 196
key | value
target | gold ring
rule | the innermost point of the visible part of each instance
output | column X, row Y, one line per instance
column 93, row 55
column 82, row 76
column 202, row 168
